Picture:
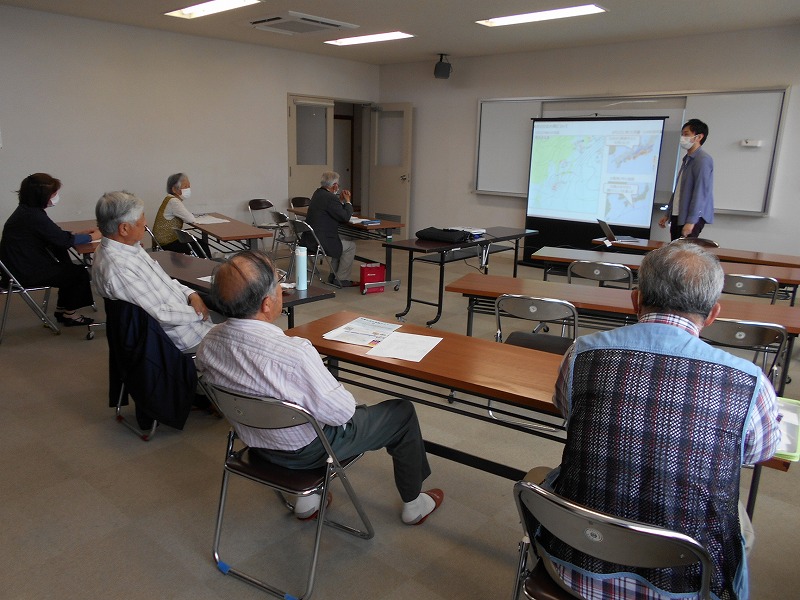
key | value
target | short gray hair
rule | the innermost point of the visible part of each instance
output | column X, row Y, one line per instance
column 242, row 282
column 329, row 178
column 114, row 208
column 174, row 180
column 682, row 278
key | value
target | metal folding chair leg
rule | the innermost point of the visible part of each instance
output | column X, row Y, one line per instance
column 145, row 435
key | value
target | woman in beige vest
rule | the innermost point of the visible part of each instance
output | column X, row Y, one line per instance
column 172, row 214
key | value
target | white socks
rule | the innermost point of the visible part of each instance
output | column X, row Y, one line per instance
column 305, row 506
column 417, row 509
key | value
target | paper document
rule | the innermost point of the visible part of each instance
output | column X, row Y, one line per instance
column 470, row 230
column 357, row 220
column 789, row 447
column 209, row 220
column 207, row 278
column 362, row 332
column 405, row 346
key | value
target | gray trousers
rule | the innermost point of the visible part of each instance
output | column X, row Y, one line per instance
column 391, row 424
column 344, row 264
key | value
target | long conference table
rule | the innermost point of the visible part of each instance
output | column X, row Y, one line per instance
column 231, row 230
column 194, row 272
column 752, row 257
column 460, row 375
column 483, row 289
column 549, row 256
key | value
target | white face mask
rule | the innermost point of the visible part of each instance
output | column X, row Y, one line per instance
column 687, row 141
column 186, row 193
column 54, row 200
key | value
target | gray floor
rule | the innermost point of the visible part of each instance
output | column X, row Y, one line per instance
column 90, row 511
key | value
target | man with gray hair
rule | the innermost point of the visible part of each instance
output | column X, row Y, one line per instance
column 330, row 206
column 659, row 424
column 250, row 355
column 122, row 270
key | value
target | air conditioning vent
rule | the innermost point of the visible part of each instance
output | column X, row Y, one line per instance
column 294, row 23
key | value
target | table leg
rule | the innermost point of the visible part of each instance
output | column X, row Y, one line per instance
column 751, row 497
column 290, row 316
column 470, row 314
column 516, row 254
column 440, row 303
column 388, row 259
column 410, row 284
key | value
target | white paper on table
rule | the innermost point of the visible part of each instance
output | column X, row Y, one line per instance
column 357, row 220
column 207, row 278
column 209, row 220
column 405, row 346
column 362, row 332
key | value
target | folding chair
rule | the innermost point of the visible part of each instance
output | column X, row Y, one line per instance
column 751, row 285
column 299, row 202
column 258, row 205
column 766, row 340
column 10, row 285
column 613, row 539
column 543, row 311
column 195, row 247
column 145, row 364
column 601, row 272
column 270, row 413
column 283, row 235
column 301, row 229
column 154, row 245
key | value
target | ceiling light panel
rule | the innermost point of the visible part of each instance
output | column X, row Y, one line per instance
column 209, row 8
column 369, row 39
column 545, row 15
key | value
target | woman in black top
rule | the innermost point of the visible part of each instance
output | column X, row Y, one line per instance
column 35, row 249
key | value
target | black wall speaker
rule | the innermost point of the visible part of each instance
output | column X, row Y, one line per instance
column 441, row 70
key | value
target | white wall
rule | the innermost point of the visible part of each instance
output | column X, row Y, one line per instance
column 106, row 107
column 446, row 117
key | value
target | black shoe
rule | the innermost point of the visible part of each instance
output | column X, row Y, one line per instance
column 77, row 321
column 332, row 279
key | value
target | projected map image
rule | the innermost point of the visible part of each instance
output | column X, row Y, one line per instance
column 594, row 169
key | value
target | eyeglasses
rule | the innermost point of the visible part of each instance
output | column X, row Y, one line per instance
column 281, row 275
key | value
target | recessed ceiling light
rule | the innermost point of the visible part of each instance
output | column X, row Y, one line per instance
column 209, row 8
column 545, row 15
column 369, row 39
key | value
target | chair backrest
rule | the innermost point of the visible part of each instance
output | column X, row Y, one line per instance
column 299, row 201
column 609, row 538
column 599, row 271
column 703, row 242
column 751, row 285
column 257, row 204
column 768, row 339
column 262, row 412
column 154, row 245
column 184, row 237
column 541, row 310
column 301, row 227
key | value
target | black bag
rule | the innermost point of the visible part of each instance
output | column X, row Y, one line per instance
column 434, row 234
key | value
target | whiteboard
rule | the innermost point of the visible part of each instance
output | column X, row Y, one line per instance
column 742, row 175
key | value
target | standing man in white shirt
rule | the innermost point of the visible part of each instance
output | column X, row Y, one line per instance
column 122, row 270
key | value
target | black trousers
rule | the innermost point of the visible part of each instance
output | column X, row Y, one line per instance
column 391, row 424
column 675, row 229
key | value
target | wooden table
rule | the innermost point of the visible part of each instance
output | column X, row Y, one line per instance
column 752, row 257
column 384, row 231
column 786, row 276
column 232, row 231
column 485, row 288
column 480, row 370
column 441, row 253
column 189, row 269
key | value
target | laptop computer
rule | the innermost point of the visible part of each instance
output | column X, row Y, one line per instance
column 614, row 238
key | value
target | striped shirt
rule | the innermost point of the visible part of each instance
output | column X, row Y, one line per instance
column 256, row 358
column 123, row 272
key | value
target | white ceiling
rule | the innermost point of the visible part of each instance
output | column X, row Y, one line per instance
column 443, row 26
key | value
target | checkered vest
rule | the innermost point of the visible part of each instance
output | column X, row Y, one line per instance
column 655, row 434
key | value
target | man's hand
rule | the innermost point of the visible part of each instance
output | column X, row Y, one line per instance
column 199, row 306
column 663, row 221
column 687, row 229
column 345, row 195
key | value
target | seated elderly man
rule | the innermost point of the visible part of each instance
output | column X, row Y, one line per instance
column 250, row 355
column 659, row 424
column 122, row 270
